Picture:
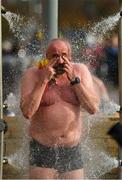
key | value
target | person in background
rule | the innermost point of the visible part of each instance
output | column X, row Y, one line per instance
column 100, row 88
column 111, row 51
column 51, row 98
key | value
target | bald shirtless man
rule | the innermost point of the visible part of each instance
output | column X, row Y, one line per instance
column 51, row 98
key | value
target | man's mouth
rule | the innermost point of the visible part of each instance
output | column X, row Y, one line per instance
column 59, row 69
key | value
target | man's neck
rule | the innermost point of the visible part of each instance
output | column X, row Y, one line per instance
column 61, row 79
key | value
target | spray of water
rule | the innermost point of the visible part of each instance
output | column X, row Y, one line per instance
column 21, row 27
column 19, row 159
column 102, row 28
column 91, row 36
column 24, row 30
column 96, row 161
column 29, row 34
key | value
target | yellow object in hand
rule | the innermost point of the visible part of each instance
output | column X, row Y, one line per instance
column 42, row 63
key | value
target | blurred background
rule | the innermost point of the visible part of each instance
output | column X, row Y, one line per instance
column 73, row 16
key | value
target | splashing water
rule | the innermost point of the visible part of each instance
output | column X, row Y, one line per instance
column 97, row 162
column 12, row 18
column 19, row 160
column 21, row 27
column 14, row 21
column 91, row 37
column 107, row 108
column 96, row 159
column 95, row 36
column 25, row 30
column 103, row 27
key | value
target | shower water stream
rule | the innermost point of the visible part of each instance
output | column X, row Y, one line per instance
column 103, row 27
column 96, row 160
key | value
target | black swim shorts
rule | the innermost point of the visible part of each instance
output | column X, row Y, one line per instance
column 60, row 158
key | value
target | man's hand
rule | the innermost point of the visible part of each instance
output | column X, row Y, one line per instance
column 68, row 67
column 49, row 72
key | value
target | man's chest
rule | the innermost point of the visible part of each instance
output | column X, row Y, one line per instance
column 55, row 93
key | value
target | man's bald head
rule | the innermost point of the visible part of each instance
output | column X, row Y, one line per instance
column 57, row 44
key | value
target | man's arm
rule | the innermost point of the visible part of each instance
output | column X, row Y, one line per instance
column 85, row 91
column 31, row 93
column 32, row 88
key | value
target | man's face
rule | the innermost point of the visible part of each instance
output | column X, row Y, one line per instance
column 58, row 51
column 60, row 62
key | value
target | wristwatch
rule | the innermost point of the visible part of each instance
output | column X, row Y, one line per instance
column 76, row 80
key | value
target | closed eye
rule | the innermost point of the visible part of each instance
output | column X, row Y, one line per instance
column 55, row 56
column 64, row 54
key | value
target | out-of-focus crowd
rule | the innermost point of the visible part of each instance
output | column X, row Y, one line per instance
column 104, row 59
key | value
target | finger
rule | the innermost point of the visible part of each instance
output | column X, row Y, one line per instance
column 52, row 70
column 68, row 74
column 67, row 69
column 68, row 66
column 66, row 60
column 52, row 62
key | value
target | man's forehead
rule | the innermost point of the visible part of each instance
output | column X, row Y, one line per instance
column 57, row 45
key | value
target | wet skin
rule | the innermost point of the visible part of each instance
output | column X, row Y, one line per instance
column 54, row 109
column 57, row 119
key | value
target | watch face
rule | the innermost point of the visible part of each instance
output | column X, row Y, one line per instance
column 59, row 69
column 75, row 81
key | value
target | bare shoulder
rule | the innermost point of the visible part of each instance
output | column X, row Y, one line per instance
column 83, row 72
column 30, row 72
column 80, row 68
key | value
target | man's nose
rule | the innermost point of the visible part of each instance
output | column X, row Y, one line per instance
column 61, row 60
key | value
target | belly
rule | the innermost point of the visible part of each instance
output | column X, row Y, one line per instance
column 58, row 122
column 57, row 116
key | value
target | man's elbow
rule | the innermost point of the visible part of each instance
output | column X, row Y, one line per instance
column 95, row 106
column 93, row 110
column 26, row 113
